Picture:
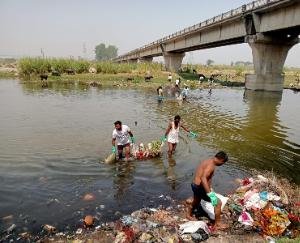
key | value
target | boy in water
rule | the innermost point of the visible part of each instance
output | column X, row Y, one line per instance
column 201, row 187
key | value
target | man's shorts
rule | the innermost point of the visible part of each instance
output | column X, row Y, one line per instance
column 200, row 192
column 120, row 147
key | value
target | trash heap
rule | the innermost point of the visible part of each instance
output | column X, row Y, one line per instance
column 261, row 205
column 155, row 225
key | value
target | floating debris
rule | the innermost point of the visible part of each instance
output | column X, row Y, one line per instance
column 49, row 228
column 11, row 228
column 88, row 220
column 88, row 197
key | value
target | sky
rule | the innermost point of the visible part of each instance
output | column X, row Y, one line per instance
column 64, row 28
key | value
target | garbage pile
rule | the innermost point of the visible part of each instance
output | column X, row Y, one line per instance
column 258, row 206
column 152, row 150
column 155, row 225
column 261, row 205
column 140, row 151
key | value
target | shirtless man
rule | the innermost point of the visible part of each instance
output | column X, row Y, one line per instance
column 201, row 186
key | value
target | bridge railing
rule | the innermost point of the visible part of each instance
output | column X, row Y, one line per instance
column 227, row 15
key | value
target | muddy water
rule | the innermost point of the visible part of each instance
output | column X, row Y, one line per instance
column 52, row 142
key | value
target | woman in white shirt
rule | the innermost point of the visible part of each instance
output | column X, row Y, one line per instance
column 172, row 134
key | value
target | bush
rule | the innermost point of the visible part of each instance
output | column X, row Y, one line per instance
column 29, row 65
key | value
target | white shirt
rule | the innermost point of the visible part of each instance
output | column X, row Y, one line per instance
column 173, row 136
column 177, row 82
column 122, row 137
column 160, row 92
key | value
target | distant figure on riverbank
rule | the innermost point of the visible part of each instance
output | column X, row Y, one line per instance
column 184, row 92
column 201, row 78
column 177, row 82
column 172, row 134
column 170, row 77
column 201, row 187
column 122, row 135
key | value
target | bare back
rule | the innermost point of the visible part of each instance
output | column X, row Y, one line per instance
column 204, row 173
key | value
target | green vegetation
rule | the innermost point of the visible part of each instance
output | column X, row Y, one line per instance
column 28, row 66
column 130, row 73
column 105, row 53
column 7, row 75
column 35, row 66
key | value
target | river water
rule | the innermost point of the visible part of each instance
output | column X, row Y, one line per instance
column 52, row 142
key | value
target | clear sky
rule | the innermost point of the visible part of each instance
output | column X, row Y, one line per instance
column 64, row 27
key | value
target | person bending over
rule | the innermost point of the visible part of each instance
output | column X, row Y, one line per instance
column 201, row 187
column 122, row 135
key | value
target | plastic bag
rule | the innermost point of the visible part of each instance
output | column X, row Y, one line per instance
column 193, row 226
column 209, row 208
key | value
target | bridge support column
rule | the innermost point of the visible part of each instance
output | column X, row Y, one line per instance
column 269, row 54
column 132, row 60
column 173, row 60
column 146, row 59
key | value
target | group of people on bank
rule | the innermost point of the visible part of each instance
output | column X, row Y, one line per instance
column 122, row 137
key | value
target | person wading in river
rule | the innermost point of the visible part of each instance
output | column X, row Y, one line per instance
column 201, row 187
column 123, row 136
column 172, row 134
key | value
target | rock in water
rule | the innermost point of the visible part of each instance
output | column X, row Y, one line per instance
column 88, row 197
column 49, row 228
column 89, row 220
column 110, row 159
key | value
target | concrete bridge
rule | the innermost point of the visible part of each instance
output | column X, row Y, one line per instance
column 270, row 27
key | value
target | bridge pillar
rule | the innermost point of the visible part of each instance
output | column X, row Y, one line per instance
column 173, row 60
column 146, row 59
column 269, row 54
column 132, row 60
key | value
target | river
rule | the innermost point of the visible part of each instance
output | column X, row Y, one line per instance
column 53, row 142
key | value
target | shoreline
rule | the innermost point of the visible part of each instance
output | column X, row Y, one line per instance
column 165, row 223
column 121, row 80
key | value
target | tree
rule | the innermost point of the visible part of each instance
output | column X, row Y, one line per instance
column 209, row 62
column 105, row 53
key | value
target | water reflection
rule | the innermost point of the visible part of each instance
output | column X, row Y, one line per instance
column 123, row 179
column 246, row 124
column 171, row 175
column 61, row 87
column 266, row 135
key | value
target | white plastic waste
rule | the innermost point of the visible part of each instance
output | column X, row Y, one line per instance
column 209, row 208
column 245, row 219
column 191, row 227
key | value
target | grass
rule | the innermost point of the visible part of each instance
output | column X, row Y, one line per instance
column 9, row 75
column 29, row 66
column 109, row 73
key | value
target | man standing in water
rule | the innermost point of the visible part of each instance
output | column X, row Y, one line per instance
column 172, row 134
column 123, row 136
column 160, row 93
column 201, row 187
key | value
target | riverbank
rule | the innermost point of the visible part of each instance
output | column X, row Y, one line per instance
column 280, row 223
column 130, row 74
